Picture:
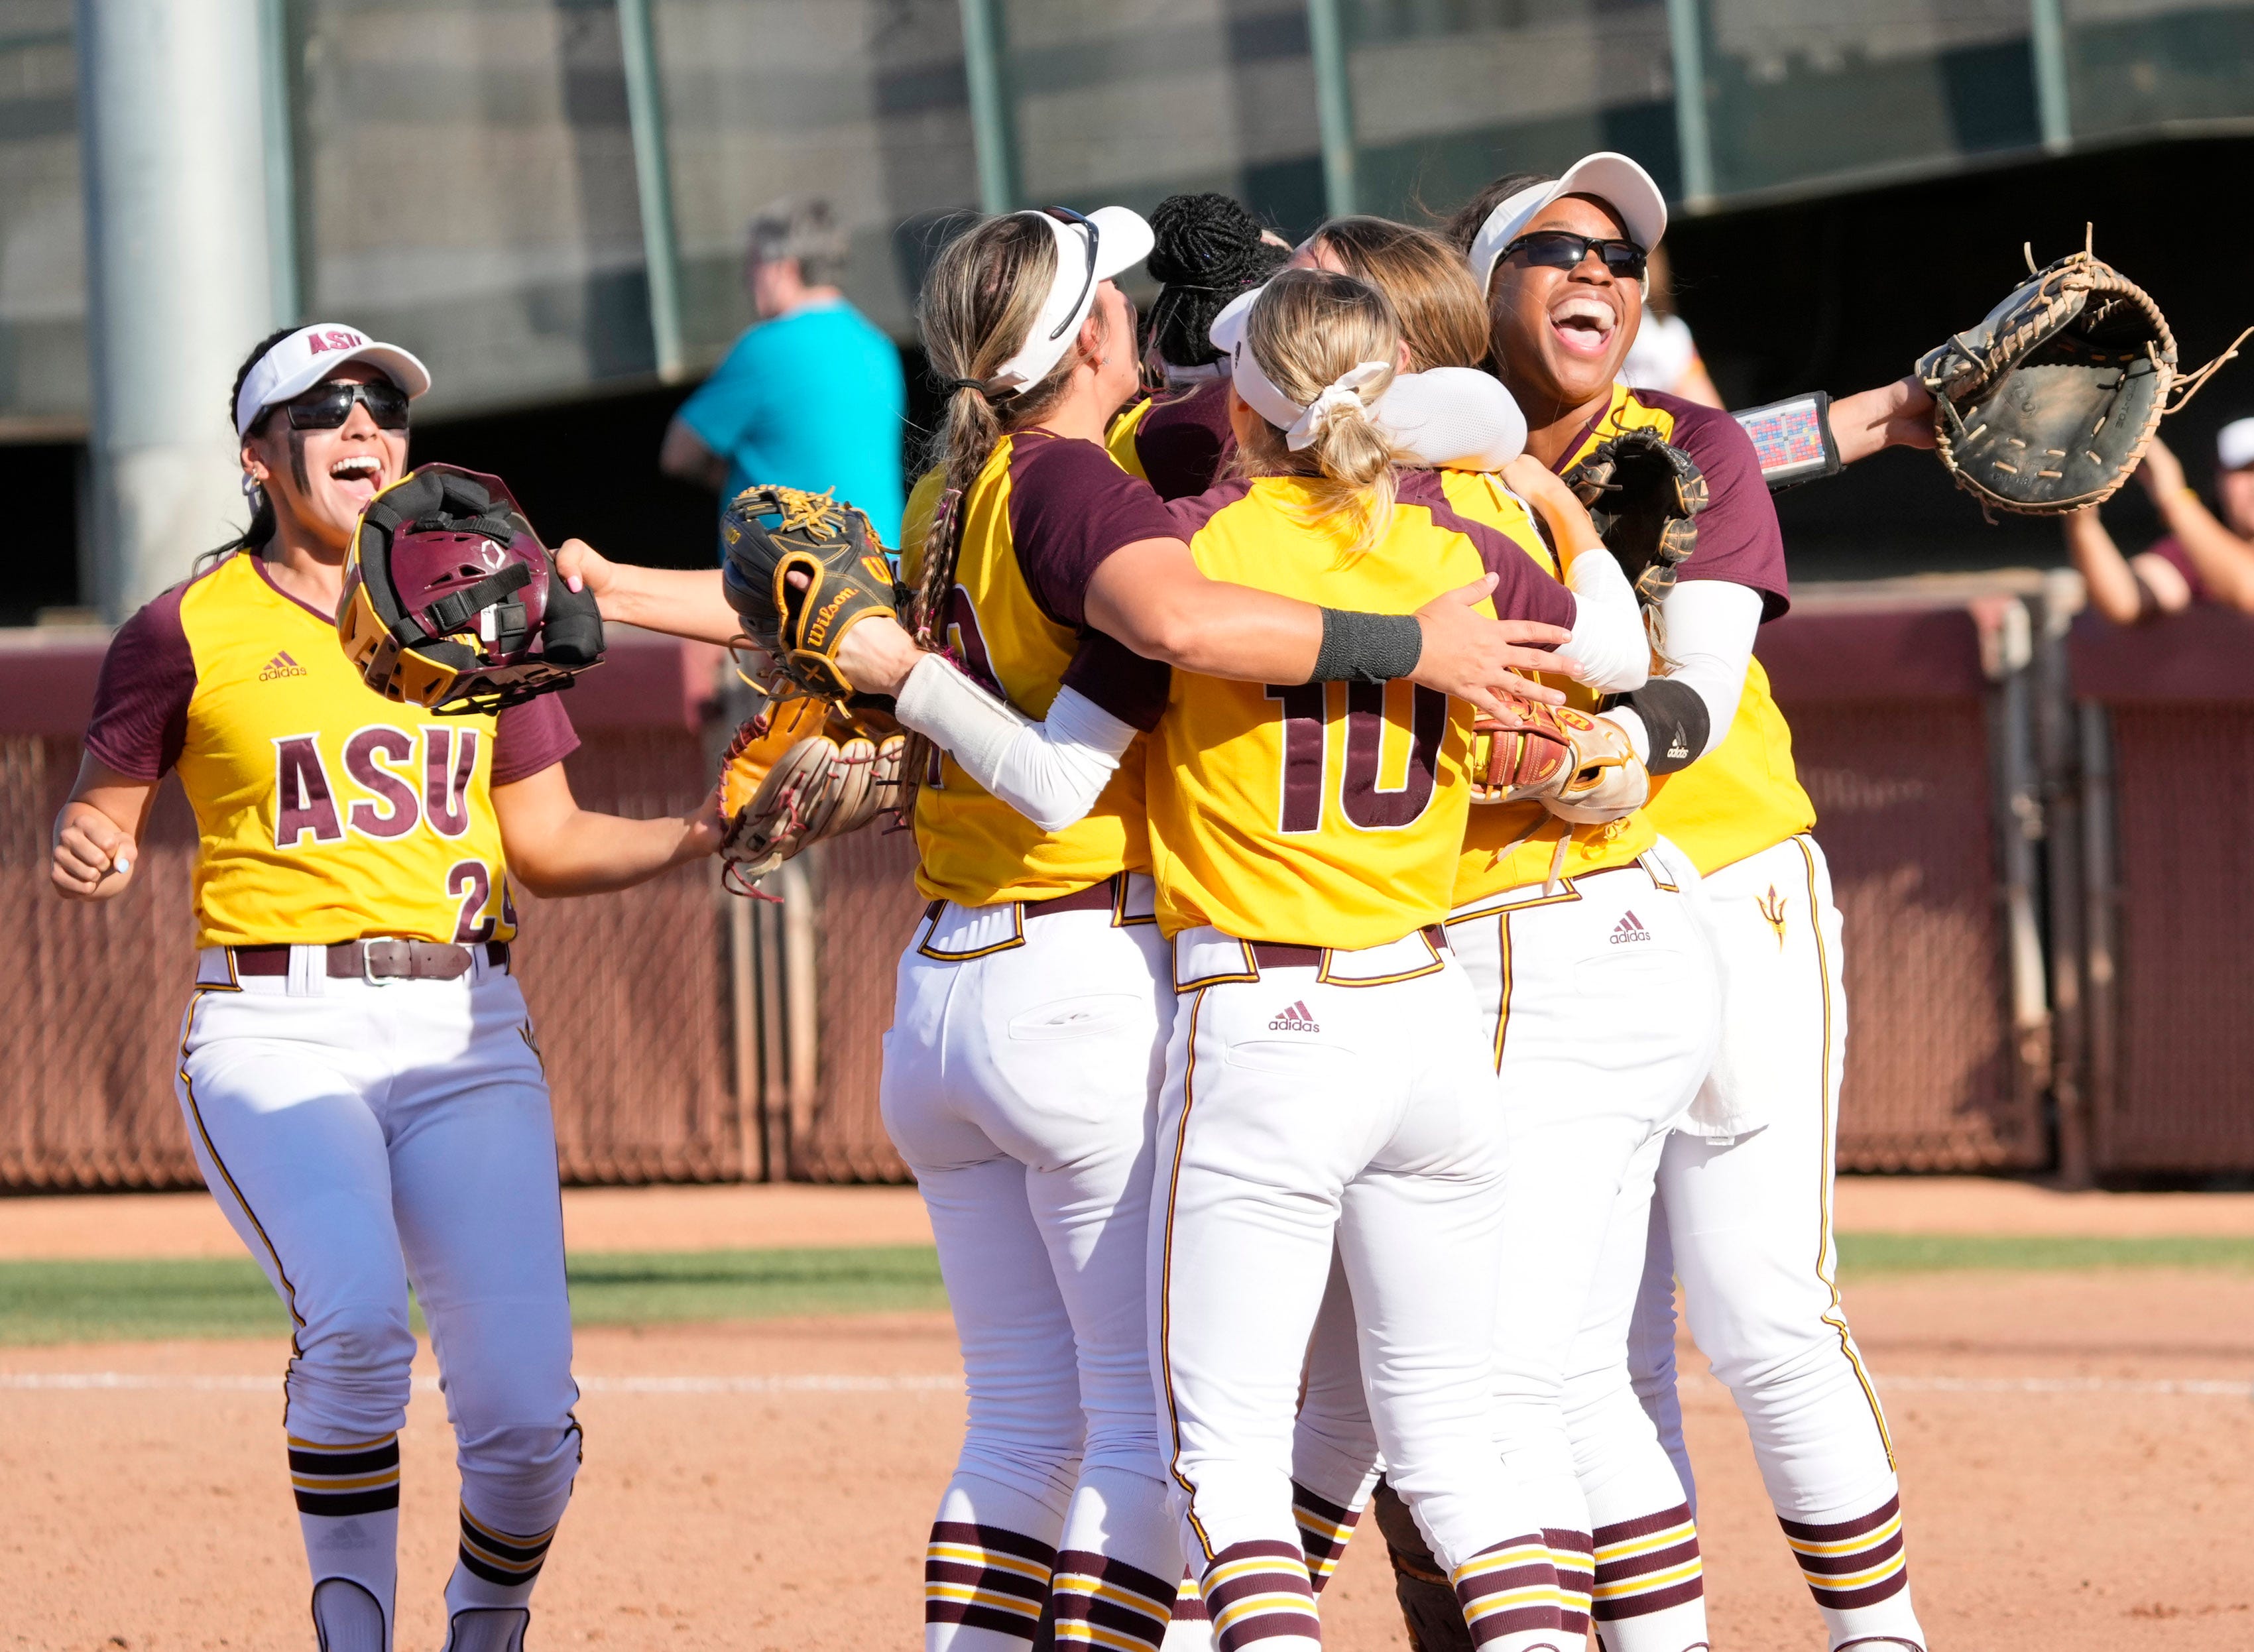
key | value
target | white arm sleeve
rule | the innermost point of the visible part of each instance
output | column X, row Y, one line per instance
column 1708, row 628
column 1049, row 771
column 1608, row 645
column 1458, row 417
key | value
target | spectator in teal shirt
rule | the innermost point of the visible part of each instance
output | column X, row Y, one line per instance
column 813, row 395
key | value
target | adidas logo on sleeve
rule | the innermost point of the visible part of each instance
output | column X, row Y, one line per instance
column 1629, row 928
column 1295, row 1018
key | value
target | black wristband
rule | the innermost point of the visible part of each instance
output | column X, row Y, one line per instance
column 1367, row 648
column 1675, row 717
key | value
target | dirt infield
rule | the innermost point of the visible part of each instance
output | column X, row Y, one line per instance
column 2077, row 1449
column 750, row 1217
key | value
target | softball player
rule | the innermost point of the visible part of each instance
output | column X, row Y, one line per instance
column 358, row 1073
column 1325, row 1081
column 1565, row 930
column 1207, row 249
column 1022, row 1066
column 1743, row 1208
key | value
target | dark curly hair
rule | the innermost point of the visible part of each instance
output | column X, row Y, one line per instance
column 1207, row 249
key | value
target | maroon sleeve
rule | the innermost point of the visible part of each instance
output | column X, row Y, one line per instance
column 1109, row 674
column 1739, row 539
column 1523, row 589
column 2170, row 551
column 141, row 702
column 1185, row 442
column 531, row 737
column 1070, row 506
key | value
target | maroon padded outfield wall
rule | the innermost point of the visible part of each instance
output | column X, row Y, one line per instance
column 690, row 1036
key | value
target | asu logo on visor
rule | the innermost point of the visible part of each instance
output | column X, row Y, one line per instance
column 451, row 602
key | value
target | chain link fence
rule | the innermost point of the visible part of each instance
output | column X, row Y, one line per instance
column 2043, row 918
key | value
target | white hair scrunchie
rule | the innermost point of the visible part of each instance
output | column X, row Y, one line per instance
column 1342, row 391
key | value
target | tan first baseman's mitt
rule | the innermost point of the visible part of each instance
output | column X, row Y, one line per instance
column 2048, row 405
column 1579, row 768
column 788, row 782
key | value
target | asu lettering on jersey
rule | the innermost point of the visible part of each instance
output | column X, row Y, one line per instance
column 1043, row 515
column 1510, row 845
column 1323, row 814
column 324, row 812
column 1744, row 794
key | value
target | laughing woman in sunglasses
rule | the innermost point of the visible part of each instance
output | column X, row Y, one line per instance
column 357, row 1069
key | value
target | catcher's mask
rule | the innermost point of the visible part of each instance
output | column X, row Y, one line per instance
column 451, row 602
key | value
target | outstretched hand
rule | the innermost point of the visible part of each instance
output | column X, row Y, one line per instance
column 1475, row 658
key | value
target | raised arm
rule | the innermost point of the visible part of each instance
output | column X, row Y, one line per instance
column 2222, row 560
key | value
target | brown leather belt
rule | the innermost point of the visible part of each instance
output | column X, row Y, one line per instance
column 1104, row 897
column 1277, row 955
column 382, row 958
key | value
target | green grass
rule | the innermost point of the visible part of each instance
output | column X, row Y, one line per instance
column 118, row 1301
column 139, row 1301
column 1866, row 1254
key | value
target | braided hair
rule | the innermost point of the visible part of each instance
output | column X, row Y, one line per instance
column 1206, row 249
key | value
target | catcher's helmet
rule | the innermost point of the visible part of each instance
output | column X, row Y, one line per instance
column 451, row 602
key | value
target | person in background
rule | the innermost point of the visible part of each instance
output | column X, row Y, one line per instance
column 1663, row 356
column 812, row 396
column 2201, row 560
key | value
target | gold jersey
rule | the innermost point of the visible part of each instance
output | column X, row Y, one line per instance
column 1042, row 516
column 1323, row 814
column 1508, row 845
column 324, row 812
column 1744, row 794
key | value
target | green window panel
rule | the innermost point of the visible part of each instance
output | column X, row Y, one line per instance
column 2141, row 64
column 1448, row 94
column 44, row 388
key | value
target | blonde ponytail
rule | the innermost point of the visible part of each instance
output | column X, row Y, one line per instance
column 1308, row 328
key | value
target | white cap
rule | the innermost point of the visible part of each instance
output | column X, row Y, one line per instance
column 295, row 364
column 1122, row 241
column 2234, row 444
column 1611, row 178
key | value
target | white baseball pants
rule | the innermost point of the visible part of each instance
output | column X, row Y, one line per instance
column 1347, row 1101
column 1748, row 1226
column 1019, row 1084
column 362, row 1138
column 1599, row 1002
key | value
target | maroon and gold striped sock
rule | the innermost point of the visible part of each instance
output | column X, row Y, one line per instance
column 1099, row 1600
column 986, row 1578
column 1858, row 1573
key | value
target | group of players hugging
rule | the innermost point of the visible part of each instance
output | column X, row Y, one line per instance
column 1374, row 947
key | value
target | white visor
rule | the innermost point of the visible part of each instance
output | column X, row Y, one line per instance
column 1121, row 242
column 1615, row 179
column 2234, row 444
column 1452, row 416
column 295, row 364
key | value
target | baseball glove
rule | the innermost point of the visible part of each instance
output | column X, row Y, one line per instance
column 788, row 782
column 1644, row 497
column 772, row 533
column 1579, row 768
column 2048, row 405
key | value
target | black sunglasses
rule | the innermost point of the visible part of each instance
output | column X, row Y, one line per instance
column 1065, row 215
column 1562, row 249
column 325, row 407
